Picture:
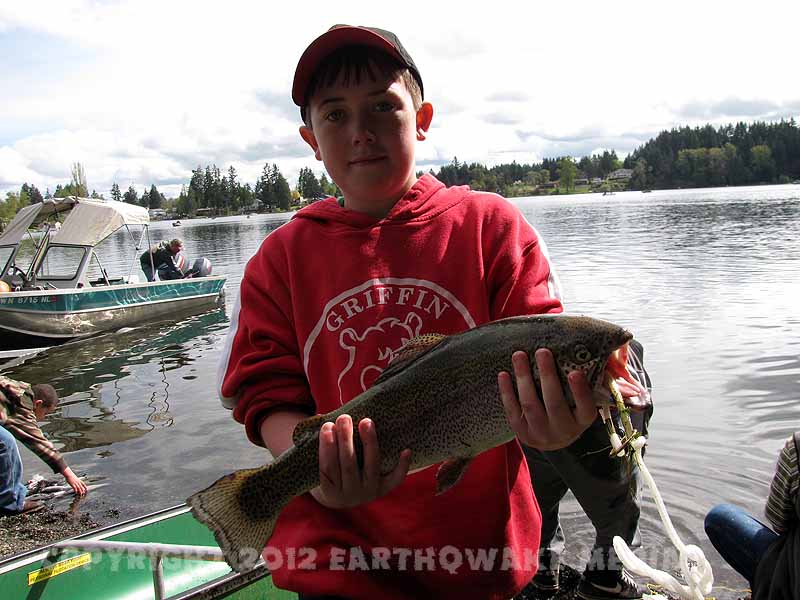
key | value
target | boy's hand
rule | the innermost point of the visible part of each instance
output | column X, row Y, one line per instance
column 548, row 423
column 74, row 482
column 342, row 483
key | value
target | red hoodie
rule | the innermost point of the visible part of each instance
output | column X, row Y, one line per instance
column 324, row 304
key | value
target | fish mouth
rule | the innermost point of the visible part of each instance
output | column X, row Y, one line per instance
column 635, row 394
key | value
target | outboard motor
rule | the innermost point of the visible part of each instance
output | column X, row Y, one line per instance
column 200, row 268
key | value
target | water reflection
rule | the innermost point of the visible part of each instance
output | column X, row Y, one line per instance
column 93, row 376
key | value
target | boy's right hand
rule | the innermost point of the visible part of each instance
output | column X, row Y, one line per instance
column 343, row 484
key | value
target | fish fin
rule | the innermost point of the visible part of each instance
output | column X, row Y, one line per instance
column 307, row 428
column 241, row 537
column 412, row 349
column 450, row 472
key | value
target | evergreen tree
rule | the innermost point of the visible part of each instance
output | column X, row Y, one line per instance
column 196, row 191
column 115, row 193
column 307, row 184
column 185, row 205
column 283, row 193
column 155, row 198
column 131, row 197
column 263, row 188
column 34, row 195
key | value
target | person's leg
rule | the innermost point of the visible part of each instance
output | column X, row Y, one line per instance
column 12, row 490
column 607, row 489
column 148, row 272
column 549, row 488
column 739, row 538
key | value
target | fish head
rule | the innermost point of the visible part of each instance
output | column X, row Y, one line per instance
column 590, row 345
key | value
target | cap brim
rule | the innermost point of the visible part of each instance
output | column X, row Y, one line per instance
column 329, row 42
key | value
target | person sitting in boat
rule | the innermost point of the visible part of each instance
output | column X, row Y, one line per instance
column 161, row 259
column 768, row 558
column 21, row 406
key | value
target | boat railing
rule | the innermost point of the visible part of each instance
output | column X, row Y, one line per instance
column 154, row 551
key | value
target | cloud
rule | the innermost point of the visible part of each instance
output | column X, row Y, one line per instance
column 508, row 96
column 583, row 135
column 453, row 45
column 289, row 147
column 729, row 107
column 501, row 118
column 277, row 103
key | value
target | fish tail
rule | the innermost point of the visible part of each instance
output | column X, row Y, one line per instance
column 241, row 520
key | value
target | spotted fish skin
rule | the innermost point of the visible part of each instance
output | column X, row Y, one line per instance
column 440, row 399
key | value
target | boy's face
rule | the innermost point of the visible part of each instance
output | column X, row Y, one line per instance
column 366, row 134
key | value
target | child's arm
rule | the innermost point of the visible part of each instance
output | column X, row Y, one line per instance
column 549, row 423
column 780, row 509
column 277, row 429
column 343, row 483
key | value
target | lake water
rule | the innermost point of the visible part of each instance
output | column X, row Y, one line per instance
column 707, row 279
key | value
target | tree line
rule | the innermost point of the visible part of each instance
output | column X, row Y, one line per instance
column 740, row 154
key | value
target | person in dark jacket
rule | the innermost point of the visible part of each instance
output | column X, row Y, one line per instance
column 608, row 492
column 769, row 558
column 161, row 259
column 21, row 406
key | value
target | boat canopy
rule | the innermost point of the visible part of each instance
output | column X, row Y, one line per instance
column 88, row 221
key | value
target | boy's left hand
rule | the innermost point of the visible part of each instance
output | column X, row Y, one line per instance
column 548, row 423
column 343, row 483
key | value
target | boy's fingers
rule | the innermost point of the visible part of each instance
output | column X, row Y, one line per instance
column 553, row 396
column 585, row 405
column 370, row 474
column 351, row 478
column 509, row 398
column 330, row 477
column 533, row 409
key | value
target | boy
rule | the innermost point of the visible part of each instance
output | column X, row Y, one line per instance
column 333, row 294
column 21, row 406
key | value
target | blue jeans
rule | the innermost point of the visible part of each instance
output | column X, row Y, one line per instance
column 12, row 490
column 739, row 538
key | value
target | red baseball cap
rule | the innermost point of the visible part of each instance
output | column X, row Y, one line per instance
column 339, row 36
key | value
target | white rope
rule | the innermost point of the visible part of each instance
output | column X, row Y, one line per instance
column 694, row 566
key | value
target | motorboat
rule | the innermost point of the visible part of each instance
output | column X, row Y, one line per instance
column 54, row 286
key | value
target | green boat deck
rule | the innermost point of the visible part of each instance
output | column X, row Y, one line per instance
column 51, row 573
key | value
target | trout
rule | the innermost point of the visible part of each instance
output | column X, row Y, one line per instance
column 439, row 397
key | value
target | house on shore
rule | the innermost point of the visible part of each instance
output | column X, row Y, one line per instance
column 620, row 174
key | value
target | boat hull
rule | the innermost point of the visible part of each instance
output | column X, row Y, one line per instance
column 41, row 318
column 50, row 572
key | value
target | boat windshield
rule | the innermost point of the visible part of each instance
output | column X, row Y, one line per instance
column 5, row 254
column 61, row 262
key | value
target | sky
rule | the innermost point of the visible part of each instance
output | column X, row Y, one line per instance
column 140, row 92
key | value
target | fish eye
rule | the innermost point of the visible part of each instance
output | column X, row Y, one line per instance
column 582, row 354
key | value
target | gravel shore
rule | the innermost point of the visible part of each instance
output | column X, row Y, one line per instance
column 19, row 533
